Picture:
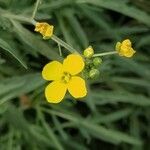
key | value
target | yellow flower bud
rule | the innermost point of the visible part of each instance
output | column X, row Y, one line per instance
column 125, row 48
column 45, row 29
column 88, row 52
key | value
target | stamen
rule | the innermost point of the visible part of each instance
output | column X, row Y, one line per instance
column 66, row 77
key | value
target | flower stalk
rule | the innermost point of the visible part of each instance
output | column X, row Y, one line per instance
column 64, row 44
column 104, row 54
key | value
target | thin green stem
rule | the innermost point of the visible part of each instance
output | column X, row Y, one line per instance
column 63, row 44
column 104, row 54
column 35, row 8
column 60, row 51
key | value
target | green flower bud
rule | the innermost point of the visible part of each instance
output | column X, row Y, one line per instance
column 94, row 73
column 97, row 61
column 88, row 52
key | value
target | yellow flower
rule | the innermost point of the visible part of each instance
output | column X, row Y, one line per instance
column 45, row 29
column 64, row 77
column 88, row 52
column 125, row 48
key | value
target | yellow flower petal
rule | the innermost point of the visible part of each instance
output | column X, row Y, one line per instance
column 129, row 53
column 52, row 71
column 49, row 32
column 77, row 87
column 125, row 48
column 126, row 51
column 127, row 42
column 55, row 92
column 45, row 29
column 73, row 64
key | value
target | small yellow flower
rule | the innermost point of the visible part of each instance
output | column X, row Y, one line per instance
column 125, row 48
column 45, row 29
column 64, row 77
column 88, row 52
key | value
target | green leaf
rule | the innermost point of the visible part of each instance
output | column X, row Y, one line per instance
column 105, row 97
column 16, row 86
column 98, row 131
column 76, row 27
column 4, row 45
column 109, row 135
column 121, row 7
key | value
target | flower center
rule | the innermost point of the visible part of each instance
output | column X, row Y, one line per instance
column 66, row 77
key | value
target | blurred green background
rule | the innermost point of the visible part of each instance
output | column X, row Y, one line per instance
column 116, row 113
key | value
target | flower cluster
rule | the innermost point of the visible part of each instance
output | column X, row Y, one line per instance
column 66, row 76
column 92, row 64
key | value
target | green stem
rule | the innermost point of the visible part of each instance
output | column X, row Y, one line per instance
column 35, row 8
column 63, row 44
column 104, row 54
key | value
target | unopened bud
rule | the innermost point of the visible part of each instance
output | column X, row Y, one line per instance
column 97, row 61
column 94, row 73
column 88, row 52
